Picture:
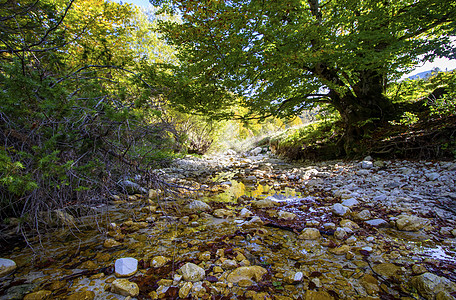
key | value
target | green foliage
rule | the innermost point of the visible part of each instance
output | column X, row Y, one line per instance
column 77, row 96
column 407, row 119
column 289, row 56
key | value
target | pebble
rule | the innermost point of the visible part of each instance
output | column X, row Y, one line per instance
column 125, row 288
column 192, row 272
column 7, row 266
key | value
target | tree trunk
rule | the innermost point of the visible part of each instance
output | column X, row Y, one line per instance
column 362, row 110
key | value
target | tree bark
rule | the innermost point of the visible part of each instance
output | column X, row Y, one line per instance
column 362, row 110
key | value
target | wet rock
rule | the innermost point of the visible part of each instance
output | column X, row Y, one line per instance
column 198, row 205
column 125, row 288
column 185, row 289
column 192, row 272
column 387, row 270
column 429, row 285
column 318, row 295
column 265, row 203
column 309, row 234
column 348, row 224
column 284, row 215
column 410, row 223
column 418, row 269
column 293, row 277
column 40, row 295
column 159, row 261
column 370, row 284
column 59, row 217
column 379, row 198
column 340, row 250
column 223, row 213
column 340, row 210
column 110, row 243
column 6, row 266
column 126, row 266
column 205, row 256
column 84, row 295
column 329, row 226
column 246, row 273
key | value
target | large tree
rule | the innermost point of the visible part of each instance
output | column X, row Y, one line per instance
column 285, row 56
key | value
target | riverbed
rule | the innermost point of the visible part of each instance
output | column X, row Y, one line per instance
column 256, row 227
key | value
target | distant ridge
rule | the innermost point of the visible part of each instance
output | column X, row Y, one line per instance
column 426, row 74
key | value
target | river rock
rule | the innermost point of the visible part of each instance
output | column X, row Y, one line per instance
column 340, row 250
column 340, row 210
column 410, row 223
column 223, row 213
column 229, row 264
column 40, row 295
column 350, row 202
column 6, row 266
column 159, row 261
column 388, row 270
column 366, row 164
column 429, row 285
column 370, row 284
column 198, row 205
column 377, row 223
column 246, row 273
column 285, row 215
column 192, row 272
column 309, row 234
column 132, row 187
column 245, row 213
column 432, row 176
column 126, row 266
column 185, row 289
column 265, row 203
column 256, row 151
column 125, row 288
column 84, row 295
column 363, row 215
column 340, row 233
column 110, row 243
column 318, row 295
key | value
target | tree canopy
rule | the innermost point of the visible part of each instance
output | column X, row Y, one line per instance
column 286, row 56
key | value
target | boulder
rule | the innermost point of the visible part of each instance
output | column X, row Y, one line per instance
column 6, row 266
column 132, row 187
column 198, row 205
column 126, row 266
column 125, row 288
column 429, row 285
column 410, row 223
column 192, row 272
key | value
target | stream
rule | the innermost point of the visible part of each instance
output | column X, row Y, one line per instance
column 256, row 227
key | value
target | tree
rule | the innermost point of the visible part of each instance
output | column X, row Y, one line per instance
column 287, row 56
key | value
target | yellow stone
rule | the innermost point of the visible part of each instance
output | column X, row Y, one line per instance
column 40, row 295
column 110, row 243
column 185, row 289
column 320, row 295
column 125, row 288
column 85, row 295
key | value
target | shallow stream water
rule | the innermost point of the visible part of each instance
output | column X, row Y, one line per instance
column 362, row 262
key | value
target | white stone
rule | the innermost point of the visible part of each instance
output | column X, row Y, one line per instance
column 245, row 213
column 198, row 205
column 192, row 272
column 6, row 266
column 367, row 164
column 126, row 266
column 340, row 210
column 350, row 202
column 377, row 222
